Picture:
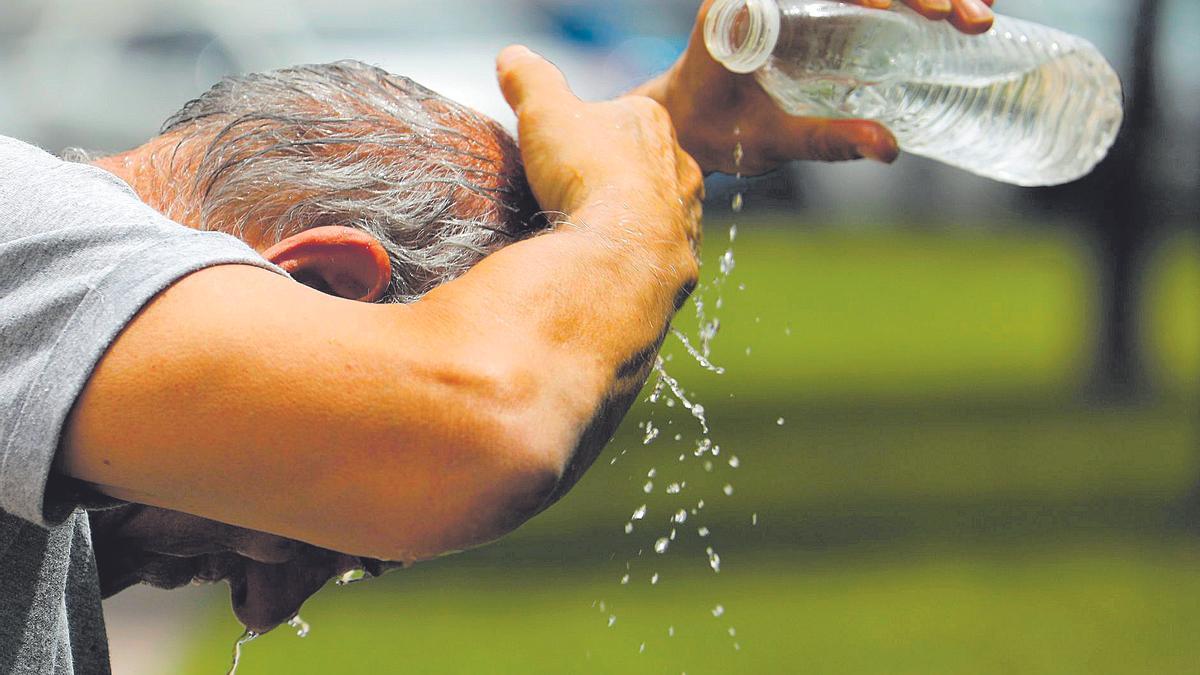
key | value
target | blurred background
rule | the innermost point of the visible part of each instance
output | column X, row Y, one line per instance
column 958, row 421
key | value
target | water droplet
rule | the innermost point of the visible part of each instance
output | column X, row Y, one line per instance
column 624, row 579
column 754, row 518
column 648, row 487
column 673, row 489
column 639, row 513
column 670, row 403
column 351, row 576
column 642, row 648
column 612, row 620
column 734, row 462
column 702, row 531
column 670, row 631
column 732, row 232
column 714, row 560
column 245, row 637
column 679, row 437
column 737, row 647
column 728, row 489
column 718, row 610
column 628, row 528
column 732, row 631
column 726, row 263
column 695, row 353
column 672, row 537
column 680, row 516
column 747, row 351
column 738, row 154
column 742, row 286
column 651, row 473
column 700, row 504
column 654, row 579
column 651, row 434
column 602, row 607
column 300, row 625
column 779, row 421
column 661, row 545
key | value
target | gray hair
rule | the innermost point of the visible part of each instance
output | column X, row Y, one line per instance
column 439, row 185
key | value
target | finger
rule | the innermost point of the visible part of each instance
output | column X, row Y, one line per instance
column 972, row 16
column 830, row 140
column 526, row 78
column 931, row 9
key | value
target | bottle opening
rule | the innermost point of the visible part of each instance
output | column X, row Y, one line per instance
column 741, row 34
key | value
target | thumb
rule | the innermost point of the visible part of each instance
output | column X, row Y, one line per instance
column 528, row 79
column 834, row 140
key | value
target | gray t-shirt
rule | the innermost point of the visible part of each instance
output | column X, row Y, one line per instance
column 79, row 256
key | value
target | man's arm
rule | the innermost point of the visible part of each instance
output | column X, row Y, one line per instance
column 402, row 432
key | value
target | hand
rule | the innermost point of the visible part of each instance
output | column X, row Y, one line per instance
column 621, row 152
column 707, row 103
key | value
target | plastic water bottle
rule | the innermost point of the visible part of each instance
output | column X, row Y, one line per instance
column 1023, row 103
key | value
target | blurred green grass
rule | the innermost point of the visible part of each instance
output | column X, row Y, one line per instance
column 940, row 497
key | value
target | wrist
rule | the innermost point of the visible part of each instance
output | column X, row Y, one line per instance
column 657, row 239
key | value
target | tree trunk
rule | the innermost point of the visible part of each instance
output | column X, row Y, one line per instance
column 1121, row 201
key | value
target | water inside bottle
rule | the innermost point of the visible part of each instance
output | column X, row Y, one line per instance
column 1035, row 127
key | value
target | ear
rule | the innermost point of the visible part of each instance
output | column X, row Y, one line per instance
column 337, row 260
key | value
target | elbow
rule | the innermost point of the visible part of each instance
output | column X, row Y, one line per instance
column 497, row 469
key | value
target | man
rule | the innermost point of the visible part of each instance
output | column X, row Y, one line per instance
column 155, row 365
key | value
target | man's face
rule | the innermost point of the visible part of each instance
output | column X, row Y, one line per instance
column 269, row 576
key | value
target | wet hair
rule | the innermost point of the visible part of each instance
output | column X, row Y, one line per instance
column 438, row 184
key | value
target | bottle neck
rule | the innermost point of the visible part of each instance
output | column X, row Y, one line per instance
column 741, row 34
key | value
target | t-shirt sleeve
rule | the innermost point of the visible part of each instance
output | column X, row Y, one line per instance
column 80, row 254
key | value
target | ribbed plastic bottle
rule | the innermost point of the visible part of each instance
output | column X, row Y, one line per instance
column 1023, row 103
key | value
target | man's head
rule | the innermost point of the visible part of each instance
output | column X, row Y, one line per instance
column 358, row 183
column 314, row 165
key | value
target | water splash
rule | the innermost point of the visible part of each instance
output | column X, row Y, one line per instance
column 651, row 434
column 246, row 637
column 695, row 353
column 351, row 576
column 302, row 627
column 714, row 560
column 695, row 409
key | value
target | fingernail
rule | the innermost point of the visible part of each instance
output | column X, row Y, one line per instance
column 975, row 10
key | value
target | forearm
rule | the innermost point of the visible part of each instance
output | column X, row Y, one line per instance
column 392, row 431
